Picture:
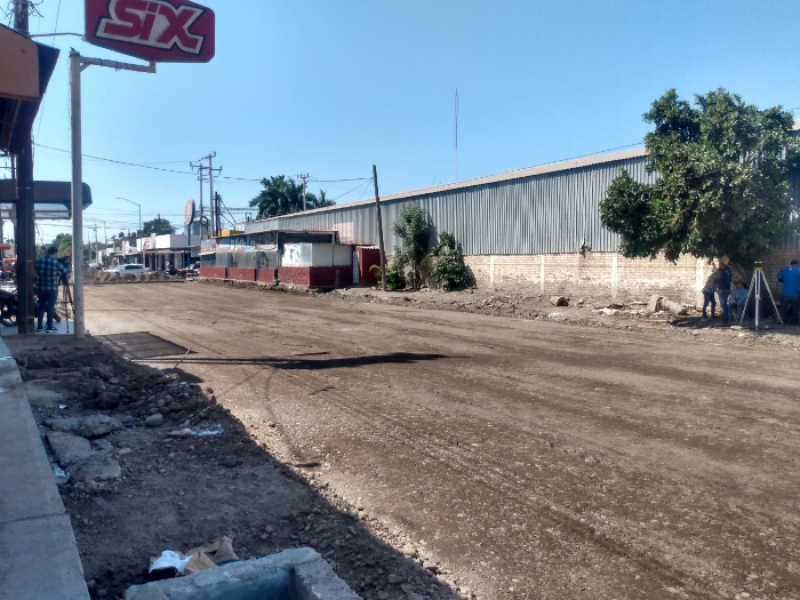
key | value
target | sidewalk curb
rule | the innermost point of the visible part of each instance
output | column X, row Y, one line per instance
column 38, row 553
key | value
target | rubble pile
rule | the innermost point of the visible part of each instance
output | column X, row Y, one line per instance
column 81, row 396
column 98, row 276
column 141, row 396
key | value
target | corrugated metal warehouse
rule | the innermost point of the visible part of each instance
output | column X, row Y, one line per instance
column 526, row 228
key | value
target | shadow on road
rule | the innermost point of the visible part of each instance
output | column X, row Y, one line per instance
column 179, row 491
column 300, row 363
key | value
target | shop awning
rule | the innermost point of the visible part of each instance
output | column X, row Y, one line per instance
column 52, row 199
column 25, row 71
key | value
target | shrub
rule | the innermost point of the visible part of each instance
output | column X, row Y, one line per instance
column 395, row 279
column 450, row 270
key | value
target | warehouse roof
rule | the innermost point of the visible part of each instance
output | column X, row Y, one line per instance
column 565, row 165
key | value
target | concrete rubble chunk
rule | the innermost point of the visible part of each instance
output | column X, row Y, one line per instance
column 41, row 396
column 156, row 420
column 69, row 449
column 84, row 462
column 675, row 308
column 98, row 467
column 297, row 574
column 94, row 426
column 655, row 304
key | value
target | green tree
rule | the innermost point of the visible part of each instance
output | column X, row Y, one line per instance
column 282, row 196
column 62, row 241
column 721, row 181
column 158, row 226
column 413, row 228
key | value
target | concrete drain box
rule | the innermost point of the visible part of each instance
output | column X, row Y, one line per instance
column 298, row 574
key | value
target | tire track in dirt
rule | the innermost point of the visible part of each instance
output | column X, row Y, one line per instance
column 490, row 474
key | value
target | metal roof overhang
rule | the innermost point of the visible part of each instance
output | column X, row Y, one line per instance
column 52, row 199
column 24, row 62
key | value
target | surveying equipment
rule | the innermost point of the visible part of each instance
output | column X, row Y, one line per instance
column 63, row 282
column 755, row 286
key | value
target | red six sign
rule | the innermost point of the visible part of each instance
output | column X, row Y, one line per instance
column 158, row 30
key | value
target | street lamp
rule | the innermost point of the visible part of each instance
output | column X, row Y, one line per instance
column 140, row 209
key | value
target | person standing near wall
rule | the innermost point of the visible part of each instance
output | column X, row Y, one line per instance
column 709, row 291
column 724, row 288
column 790, row 295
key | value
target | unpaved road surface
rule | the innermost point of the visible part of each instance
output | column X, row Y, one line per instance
column 535, row 460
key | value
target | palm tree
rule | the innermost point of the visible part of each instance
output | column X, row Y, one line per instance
column 283, row 196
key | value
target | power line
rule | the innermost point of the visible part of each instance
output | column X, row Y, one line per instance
column 353, row 190
column 118, row 162
column 146, row 166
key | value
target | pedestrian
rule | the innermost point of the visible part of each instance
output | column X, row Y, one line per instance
column 48, row 272
column 790, row 295
column 724, row 288
column 708, row 294
column 738, row 299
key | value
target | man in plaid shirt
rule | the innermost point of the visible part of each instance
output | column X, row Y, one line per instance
column 48, row 273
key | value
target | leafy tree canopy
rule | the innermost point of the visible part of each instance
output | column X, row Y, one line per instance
column 158, row 226
column 282, row 196
column 62, row 241
column 720, row 185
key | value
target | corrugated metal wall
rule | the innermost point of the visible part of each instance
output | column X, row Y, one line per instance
column 543, row 214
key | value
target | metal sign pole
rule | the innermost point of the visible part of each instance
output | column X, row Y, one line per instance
column 77, row 192
column 77, row 64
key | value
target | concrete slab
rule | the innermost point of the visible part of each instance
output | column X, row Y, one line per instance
column 65, row 327
column 297, row 574
column 40, row 560
column 38, row 556
column 27, row 486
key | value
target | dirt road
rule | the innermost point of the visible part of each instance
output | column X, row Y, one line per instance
column 534, row 459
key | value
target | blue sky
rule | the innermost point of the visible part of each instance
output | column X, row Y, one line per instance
column 329, row 88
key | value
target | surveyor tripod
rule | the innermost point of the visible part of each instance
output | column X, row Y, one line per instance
column 63, row 282
column 755, row 291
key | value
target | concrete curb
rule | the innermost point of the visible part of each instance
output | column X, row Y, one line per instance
column 297, row 574
column 38, row 555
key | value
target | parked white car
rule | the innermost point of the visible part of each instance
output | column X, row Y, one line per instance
column 128, row 269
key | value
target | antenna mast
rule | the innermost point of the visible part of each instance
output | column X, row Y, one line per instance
column 456, row 140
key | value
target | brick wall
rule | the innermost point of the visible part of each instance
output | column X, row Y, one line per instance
column 295, row 275
column 599, row 275
column 331, row 276
column 267, row 275
column 316, row 276
column 238, row 274
column 214, row 272
column 773, row 265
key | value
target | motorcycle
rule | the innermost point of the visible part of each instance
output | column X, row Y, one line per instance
column 9, row 308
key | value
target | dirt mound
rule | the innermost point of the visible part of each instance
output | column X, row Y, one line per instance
column 95, row 276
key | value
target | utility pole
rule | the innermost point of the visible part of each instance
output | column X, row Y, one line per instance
column 201, row 167
column 96, row 257
column 380, row 226
column 304, row 178
column 212, row 199
column 218, row 206
column 26, row 234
